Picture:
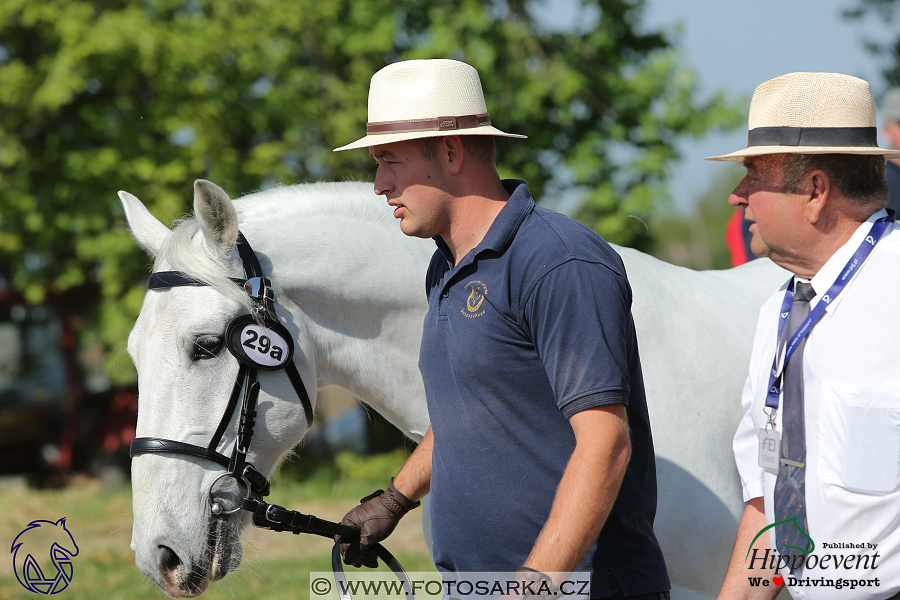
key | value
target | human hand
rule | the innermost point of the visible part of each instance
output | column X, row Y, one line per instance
column 376, row 517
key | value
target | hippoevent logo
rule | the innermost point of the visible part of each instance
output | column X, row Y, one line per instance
column 42, row 556
column 793, row 522
column 802, row 567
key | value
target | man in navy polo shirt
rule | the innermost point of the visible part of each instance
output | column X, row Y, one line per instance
column 539, row 458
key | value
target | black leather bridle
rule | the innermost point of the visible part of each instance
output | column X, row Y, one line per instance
column 261, row 325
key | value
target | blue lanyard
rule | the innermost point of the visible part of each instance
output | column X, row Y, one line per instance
column 859, row 257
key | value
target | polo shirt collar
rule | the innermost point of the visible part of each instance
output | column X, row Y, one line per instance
column 502, row 231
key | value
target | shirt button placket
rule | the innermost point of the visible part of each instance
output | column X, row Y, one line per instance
column 442, row 303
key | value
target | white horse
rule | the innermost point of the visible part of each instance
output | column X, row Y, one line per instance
column 350, row 290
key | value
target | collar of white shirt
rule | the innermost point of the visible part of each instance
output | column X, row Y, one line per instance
column 832, row 269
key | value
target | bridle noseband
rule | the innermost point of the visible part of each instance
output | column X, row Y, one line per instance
column 258, row 341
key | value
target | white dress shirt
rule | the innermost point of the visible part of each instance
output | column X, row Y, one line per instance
column 851, row 374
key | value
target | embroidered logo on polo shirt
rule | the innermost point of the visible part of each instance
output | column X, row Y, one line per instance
column 477, row 291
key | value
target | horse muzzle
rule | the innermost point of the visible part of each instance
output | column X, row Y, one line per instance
column 180, row 575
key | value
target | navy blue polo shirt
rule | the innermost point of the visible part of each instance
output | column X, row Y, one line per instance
column 531, row 327
column 892, row 171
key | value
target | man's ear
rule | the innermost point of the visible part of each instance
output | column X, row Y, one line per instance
column 819, row 193
column 454, row 153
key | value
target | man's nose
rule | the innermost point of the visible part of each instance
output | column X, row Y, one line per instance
column 383, row 185
column 738, row 196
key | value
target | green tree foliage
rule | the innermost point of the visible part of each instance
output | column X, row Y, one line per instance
column 697, row 240
column 148, row 95
column 887, row 11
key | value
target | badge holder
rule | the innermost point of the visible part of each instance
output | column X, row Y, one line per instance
column 770, row 446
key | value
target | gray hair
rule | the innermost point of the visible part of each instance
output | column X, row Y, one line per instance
column 859, row 177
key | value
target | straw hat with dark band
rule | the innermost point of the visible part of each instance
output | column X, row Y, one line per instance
column 811, row 113
column 425, row 98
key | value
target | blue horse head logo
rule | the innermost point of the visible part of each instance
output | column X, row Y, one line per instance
column 30, row 550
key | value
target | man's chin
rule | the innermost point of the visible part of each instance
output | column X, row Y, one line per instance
column 758, row 247
column 411, row 230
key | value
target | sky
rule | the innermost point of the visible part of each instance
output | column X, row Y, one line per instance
column 735, row 45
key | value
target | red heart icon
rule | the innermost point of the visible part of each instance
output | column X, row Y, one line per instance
column 778, row 580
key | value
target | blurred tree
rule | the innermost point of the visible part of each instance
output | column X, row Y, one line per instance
column 148, row 95
column 697, row 240
column 886, row 10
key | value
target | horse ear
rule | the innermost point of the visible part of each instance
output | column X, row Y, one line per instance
column 145, row 228
column 215, row 214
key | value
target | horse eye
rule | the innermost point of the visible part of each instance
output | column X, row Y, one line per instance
column 206, row 346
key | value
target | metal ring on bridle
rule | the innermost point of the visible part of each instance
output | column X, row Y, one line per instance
column 215, row 506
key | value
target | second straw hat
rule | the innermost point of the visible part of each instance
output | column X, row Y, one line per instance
column 811, row 113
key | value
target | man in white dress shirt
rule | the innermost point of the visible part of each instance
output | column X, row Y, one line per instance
column 818, row 448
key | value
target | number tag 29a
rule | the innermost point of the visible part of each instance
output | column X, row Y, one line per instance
column 267, row 348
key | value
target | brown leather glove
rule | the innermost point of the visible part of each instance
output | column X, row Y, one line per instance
column 376, row 517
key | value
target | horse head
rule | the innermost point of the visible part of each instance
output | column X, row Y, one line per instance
column 186, row 377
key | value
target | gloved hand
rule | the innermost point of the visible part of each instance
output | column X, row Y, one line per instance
column 376, row 517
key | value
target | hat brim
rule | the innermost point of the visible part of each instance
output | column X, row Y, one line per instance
column 761, row 150
column 389, row 138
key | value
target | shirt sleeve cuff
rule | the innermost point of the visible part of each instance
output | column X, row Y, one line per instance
column 753, row 489
column 593, row 400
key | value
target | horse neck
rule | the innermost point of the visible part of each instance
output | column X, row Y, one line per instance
column 354, row 291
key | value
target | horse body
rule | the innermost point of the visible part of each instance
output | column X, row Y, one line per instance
column 349, row 288
column 695, row 331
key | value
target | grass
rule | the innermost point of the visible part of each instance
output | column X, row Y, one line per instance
column 276, row 565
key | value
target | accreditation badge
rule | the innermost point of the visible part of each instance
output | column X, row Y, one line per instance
column 769, row 449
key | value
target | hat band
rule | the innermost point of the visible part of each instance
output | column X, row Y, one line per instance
column 850, row 137
column 438, row 124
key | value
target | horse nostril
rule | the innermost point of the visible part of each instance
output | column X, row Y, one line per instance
column 180, row 580
column 169, row 561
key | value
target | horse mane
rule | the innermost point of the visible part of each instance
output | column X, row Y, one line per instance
column 348, row 199
column 354, row 200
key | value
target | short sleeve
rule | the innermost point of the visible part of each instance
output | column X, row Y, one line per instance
column 579, row 318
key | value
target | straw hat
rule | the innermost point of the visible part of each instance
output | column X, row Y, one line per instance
column 425, row 98
column 811, row 113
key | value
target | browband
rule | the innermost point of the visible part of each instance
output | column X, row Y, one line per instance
column 166, row 279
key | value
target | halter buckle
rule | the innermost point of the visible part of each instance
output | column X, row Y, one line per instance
column 269, row 517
